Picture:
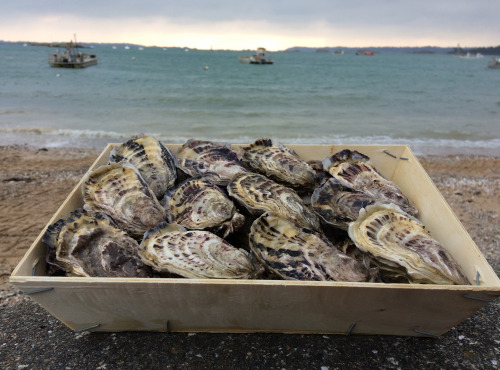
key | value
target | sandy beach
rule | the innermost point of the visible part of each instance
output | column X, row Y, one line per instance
column 35, row 181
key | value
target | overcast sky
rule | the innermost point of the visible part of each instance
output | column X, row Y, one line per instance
column 274, row 24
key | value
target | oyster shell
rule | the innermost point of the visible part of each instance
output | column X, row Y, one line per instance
column 199, row 204
column 296, row 253
column 119, row 191
column 348, row 247
column 362, row 176
column 401, row 242
column 215, row 161
column 258, row 194
column 195, row 254
column 50, row 239
column 154, row 161
column 346, row 155
column 320, row 174
column 90, row 244
column 338, row 205
column 279, row 163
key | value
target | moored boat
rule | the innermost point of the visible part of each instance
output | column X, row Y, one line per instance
column 364, row 52
column 71, row 58
column 471, row 56
column 494, row 63
column 259, row 57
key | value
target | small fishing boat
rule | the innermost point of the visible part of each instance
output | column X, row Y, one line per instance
column 494, row 63
column 471, row 56
column 259, row 57
column 71, row 58
column 364, row 52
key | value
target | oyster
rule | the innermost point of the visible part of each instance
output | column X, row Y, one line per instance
column 347, row 155
column 258, row 194
column 90, row 244
column 279, row 163
column 399, row 241
column 296, row 253
column 320, row 174
column 195, row 254
column 50, row 239
column 119, row 191
column 153, row 160
column 217, row 162
column 199, row 204
column 338, row 205
column 352, row 170
column 348, row 247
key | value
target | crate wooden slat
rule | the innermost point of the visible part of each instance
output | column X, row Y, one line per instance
column 125, row 304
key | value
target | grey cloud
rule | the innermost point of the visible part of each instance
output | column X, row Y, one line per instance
column 365, row 14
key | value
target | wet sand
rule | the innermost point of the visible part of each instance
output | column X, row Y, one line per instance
column 35, row 181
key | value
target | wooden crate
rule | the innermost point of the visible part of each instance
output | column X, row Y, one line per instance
column 203, row 305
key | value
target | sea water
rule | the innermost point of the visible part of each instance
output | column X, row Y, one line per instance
column 435, row 103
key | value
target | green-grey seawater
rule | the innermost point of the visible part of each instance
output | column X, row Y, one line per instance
column 435, row 103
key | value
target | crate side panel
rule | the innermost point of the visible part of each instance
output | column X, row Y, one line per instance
column 440, row 220
column 270, row 307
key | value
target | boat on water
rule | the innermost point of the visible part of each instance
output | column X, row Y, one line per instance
column 494, row 63
column 260, row 57
column 364, row 52
column 71, row 58
column 471, row 56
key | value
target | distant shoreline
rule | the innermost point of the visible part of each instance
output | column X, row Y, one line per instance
column 486, row 50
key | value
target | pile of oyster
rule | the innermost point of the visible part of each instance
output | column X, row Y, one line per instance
column 150, row 213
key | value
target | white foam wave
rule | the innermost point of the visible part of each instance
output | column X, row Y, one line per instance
column 99, row 138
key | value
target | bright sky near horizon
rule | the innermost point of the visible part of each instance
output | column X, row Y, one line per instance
column 276, row 25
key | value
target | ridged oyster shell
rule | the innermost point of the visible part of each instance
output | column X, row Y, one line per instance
column 154, row 161
column 199, row 204
column 296, row 253
column 195, row 254
column 347, row 155
column 319, row 171
column 119, row 191
column 352, row 170
column 258, row 195
column 215, row 161
column 399, row 241
column 279, row 163
column 50, row 237
column 90, row 244
column 338, row 205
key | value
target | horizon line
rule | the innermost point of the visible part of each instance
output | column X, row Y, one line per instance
column 42, row 43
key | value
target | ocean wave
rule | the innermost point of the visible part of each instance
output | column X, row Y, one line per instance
column 60, row 132
column 99, row 138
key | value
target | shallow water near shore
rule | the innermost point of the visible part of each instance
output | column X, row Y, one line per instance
column 434, row 103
